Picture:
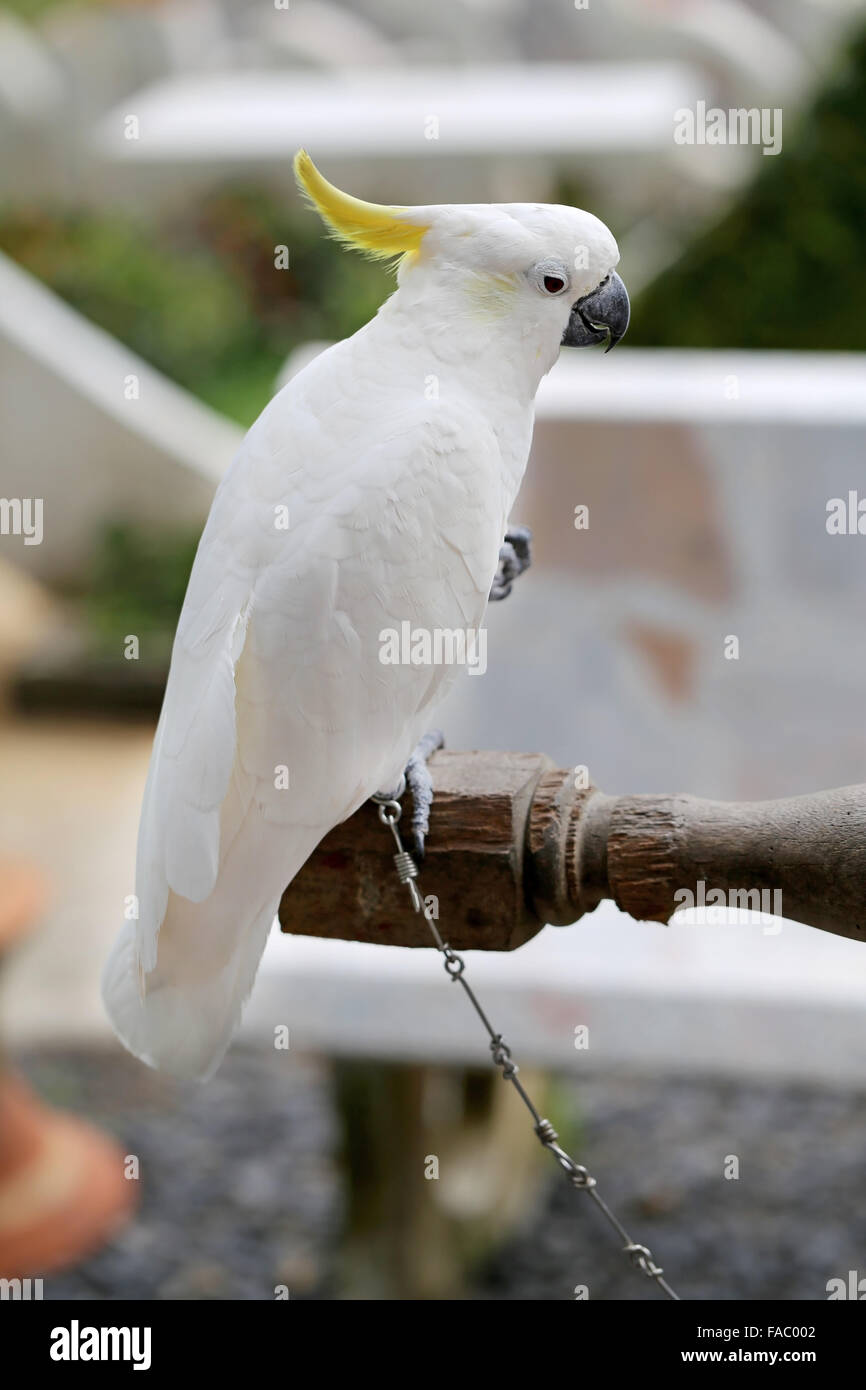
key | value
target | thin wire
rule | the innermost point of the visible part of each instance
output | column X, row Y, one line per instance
column 640, row 1256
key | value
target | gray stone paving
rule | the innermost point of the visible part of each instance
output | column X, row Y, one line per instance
column 242, row 1191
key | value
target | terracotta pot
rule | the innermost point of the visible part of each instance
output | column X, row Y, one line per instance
column 62, row 1188
column 23, row 899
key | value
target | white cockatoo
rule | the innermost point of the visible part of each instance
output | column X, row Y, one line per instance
column 373, row 490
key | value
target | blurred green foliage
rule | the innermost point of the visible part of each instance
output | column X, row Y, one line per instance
column 200, row 296
column 785, row 267
column 137, row 585
column 34, row 9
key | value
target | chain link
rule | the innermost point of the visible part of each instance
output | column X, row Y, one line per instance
column 580, row 1178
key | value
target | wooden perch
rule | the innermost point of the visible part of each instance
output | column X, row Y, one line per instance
column 514, row 844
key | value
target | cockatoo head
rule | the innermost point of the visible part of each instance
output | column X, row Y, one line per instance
column 547, row 270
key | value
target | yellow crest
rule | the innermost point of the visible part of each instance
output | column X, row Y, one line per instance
column 379, row 231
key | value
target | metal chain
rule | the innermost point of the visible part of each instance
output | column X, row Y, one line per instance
column 640, row 1256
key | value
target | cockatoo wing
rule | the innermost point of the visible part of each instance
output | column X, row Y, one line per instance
column 279, row 717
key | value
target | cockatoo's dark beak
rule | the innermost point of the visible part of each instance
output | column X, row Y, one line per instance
column 600, row 317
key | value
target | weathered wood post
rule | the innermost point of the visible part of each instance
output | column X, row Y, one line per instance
column 514, row 843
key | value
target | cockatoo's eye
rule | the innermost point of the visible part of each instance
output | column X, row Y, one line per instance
column 550, row 277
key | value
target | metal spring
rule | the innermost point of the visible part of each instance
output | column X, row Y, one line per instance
column 406, row 866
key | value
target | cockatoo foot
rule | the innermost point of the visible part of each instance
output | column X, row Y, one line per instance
column 420, row 784
column 416, row 776
column 515, row 556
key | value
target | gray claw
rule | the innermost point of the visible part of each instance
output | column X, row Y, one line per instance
column 515, row 556
column 420, row 784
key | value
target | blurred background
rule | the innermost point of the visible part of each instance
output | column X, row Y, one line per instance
column 159, row 279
